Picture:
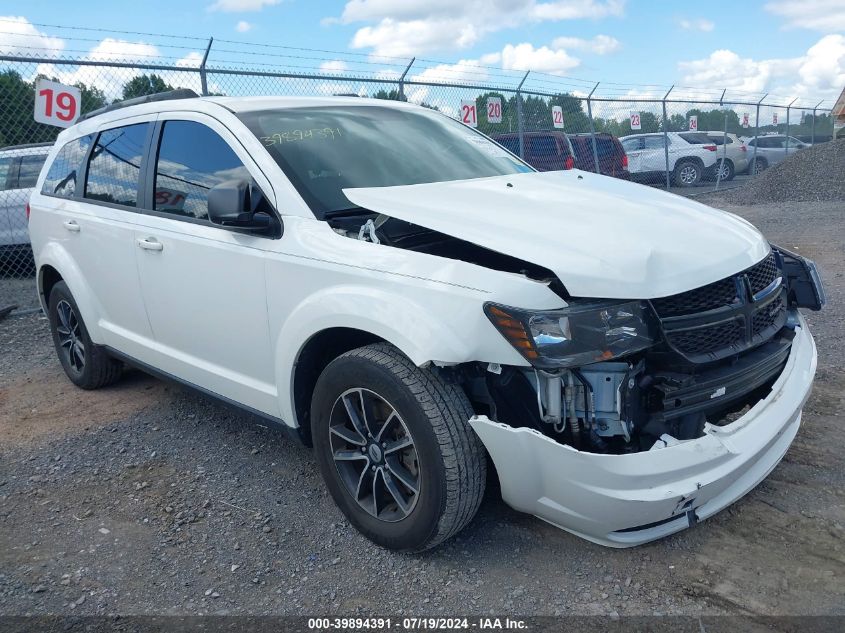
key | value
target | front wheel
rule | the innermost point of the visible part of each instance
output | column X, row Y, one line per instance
column 395, row 448
column 758, row 165
column 724, row 170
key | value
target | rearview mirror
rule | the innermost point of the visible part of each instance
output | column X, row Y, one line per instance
column 235, row 204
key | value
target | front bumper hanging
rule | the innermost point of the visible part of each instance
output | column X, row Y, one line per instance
column 627, row 500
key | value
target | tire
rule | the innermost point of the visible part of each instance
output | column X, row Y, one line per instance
column 757, row 166
column 687, row 173
column 87, row 365
column 445, row 461
column 728, row 173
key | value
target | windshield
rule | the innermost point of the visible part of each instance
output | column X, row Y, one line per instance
column 324, row 150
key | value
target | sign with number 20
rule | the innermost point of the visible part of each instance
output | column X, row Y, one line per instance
column 56, row 104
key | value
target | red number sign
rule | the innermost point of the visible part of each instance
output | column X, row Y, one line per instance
column 468, row 114
column 774, row 118
column 494, row 110
column 745, row 120
column 693, row 123
column 557, row 116
column 56, row 104
column 635, row 121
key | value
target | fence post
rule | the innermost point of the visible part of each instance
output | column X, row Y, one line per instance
column 402, row 79
column 724, row 142
column 666, row 135
column 203, row 79
column 593, row 127
column 787, row 124
column 756, row 135
column 519, row 121
column 813, row 134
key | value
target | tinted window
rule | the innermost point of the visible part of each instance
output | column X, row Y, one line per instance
column 653, row 142
column 510, row 143
column 632, row 144
column 29, row 169
column 696, row 138
column 5, row 169
column 324, row 150
column 115, row 165
column 718, row 139
column 539, row 146
column 61, row 179
column 192, row 159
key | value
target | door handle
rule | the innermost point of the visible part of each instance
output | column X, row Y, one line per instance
column 71, row 226
column 150, row 244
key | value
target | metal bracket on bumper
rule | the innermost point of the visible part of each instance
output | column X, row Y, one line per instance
column 626, row 500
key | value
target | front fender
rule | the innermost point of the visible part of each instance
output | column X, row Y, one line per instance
column 52, row 254
column 425, row 328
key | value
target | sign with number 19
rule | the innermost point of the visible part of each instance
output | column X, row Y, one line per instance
column 56, row 104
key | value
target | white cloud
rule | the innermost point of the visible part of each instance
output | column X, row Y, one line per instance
column 21, row 38
column 241, row 6
column 544, row 59
column 819, row 73
column 465, row 71
column 696, row 24
column 600, row 44
column 412, row 27
column 334, row 66
column 243, row 26
column 827, row 16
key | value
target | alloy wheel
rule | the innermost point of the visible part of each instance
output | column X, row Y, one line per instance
column 688, row 174
column 70, row 336
column 374, row 454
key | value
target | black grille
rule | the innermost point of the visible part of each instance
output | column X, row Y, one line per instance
column 761, row 275
column 722, row 318
column 705, row 339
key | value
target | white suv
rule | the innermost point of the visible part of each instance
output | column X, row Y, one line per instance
column 692, row 157
column 408, row 297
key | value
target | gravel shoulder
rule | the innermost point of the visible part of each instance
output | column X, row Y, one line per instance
column 145, row 498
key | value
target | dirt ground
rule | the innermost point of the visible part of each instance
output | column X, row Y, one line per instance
column 145, row 498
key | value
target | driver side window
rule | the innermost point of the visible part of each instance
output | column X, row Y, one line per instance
column 192, row 158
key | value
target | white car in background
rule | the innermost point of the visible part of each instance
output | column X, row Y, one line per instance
column 19, row 169
column 733, row 150
column 771, row 149
column 692, row 157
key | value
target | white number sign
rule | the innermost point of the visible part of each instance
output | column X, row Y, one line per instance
column 745, row 120
column 468, row 114
column 693, row 123
column 557, row 116
column 774, row 118
column 635, row 121
column 56, row 104
column 494, row 110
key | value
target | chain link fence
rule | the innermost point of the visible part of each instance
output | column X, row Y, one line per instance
column 678, row 139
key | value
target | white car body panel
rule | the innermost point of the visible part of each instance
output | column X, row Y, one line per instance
column 652, row 244
column 13, row 224
column 601, row 497
column 732, row 151
column 653, row 160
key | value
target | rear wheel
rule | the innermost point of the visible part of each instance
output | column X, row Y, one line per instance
column 86, row 364
column 687, row 173
column 725, row 171
column 395, row 448
column 758, row 165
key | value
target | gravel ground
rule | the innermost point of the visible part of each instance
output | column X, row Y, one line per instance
column 19, row 292
column 145, row 498
column 813, row 174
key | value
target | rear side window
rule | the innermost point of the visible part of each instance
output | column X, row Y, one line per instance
column 192, row 158
column 632, row 144
column 61, row 179
column 540, row 146
column 5, row 172
column 653, row 142
column 510, row 143
column 696, row 138
column 29, row 169
column 115, row 165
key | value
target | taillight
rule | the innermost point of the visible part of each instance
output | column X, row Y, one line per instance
column 569, row 163
column 27, row 211
column 710, row 148
column 743, row 148
column 625, row 161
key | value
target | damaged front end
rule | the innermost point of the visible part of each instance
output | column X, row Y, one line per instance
column 636, row 419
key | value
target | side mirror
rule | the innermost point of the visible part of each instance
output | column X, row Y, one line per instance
column 233, row 204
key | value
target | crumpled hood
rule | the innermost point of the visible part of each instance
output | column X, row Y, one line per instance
column 603, row 237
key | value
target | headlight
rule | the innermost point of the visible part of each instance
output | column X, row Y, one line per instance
column 586, row 331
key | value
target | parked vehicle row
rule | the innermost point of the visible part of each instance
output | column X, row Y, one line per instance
column 19, row 169
column 412, row 300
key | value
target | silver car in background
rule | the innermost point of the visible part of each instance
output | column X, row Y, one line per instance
column 771, row 150
column 733, row 150
column 19, row 169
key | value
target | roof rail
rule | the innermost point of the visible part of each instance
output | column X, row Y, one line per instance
column 26, row 146
column 180, row 93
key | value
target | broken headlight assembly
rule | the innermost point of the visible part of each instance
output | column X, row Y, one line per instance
column 584, row 332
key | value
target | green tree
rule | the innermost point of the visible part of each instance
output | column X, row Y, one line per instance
column 143, row 85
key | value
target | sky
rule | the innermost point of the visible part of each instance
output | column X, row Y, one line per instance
column 791, row 48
